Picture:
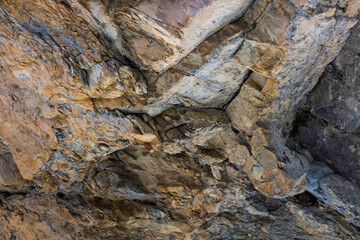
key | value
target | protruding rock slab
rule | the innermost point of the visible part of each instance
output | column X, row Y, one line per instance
column 159, row 33
column 341, row 194
column 287, row 50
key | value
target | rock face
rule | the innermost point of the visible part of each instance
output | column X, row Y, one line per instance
column 163, row 119
column 328, row 128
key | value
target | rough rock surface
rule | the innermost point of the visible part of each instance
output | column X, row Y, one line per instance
column 161, row 119
column 328, row 128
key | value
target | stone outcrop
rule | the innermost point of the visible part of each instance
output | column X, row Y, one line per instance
column 328, row 128
column 163, row 119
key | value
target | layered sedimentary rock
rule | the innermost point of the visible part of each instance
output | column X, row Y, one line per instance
column 167, row 119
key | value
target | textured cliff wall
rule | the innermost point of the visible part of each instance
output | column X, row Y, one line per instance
column 328, row 130
column 163, row 119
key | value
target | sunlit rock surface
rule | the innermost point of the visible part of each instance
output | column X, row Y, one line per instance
column 163, row 119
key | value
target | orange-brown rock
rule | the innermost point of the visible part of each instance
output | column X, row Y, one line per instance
column 154, row 119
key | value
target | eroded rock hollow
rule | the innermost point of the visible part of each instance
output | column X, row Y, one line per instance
column 158, row 119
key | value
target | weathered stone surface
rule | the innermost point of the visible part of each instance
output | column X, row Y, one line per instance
column 47, row 90
column 9, row 172
column 282, row 61
column 328, row 129
column 159, row 33
column 342, row 194
column 163, row 119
